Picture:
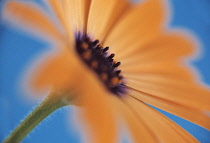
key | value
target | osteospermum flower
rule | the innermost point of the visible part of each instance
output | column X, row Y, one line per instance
column 116, row 58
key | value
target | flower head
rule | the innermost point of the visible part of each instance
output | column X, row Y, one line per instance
column 117, row 58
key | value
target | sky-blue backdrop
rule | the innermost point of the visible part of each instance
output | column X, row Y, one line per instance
column 16, row 49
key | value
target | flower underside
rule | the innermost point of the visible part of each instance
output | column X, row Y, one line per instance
column 101, row 62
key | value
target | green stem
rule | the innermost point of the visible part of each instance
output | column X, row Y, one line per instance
column 53, row 102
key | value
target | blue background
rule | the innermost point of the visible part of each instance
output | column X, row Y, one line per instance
column 17, row 49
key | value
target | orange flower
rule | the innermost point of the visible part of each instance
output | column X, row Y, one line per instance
column 148, row 54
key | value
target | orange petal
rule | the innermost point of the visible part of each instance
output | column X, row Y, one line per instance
column 103, row 15
column 165, row 129
column 97, row 110
column 58, row 10
column 61, row 13
column 139, row 131
column 167, row 46
column 28, row 16
column 61, row 70
column 76, row 13
column 196, row 116
column 167, row 68
column 139, row 25
column 173, row 88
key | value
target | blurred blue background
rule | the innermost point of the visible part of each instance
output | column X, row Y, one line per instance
column 17, row 49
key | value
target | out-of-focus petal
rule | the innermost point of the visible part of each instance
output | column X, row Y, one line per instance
column 103, row 15
column 57, row 9
column 61, row 13
column 61, row 70
column 28, row 16
column 139, row 25
column 165, row 129
column 97, row 110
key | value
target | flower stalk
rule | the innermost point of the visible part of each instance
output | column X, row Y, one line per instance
column 53, row 102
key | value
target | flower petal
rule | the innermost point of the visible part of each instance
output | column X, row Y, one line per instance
column 61, row 70
column 165, row 129
column 57, row 8
column 181, row 91
column 98, row 112
column 196, row 116
column 166, row 46
column 140, row 24
column 139, row 131
column 103, row 15
column 76, row 13
column 28, row 16
column 159, row 73
column 167, row 68
column 61, row 13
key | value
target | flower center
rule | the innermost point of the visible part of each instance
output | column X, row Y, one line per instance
column 97, row 58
